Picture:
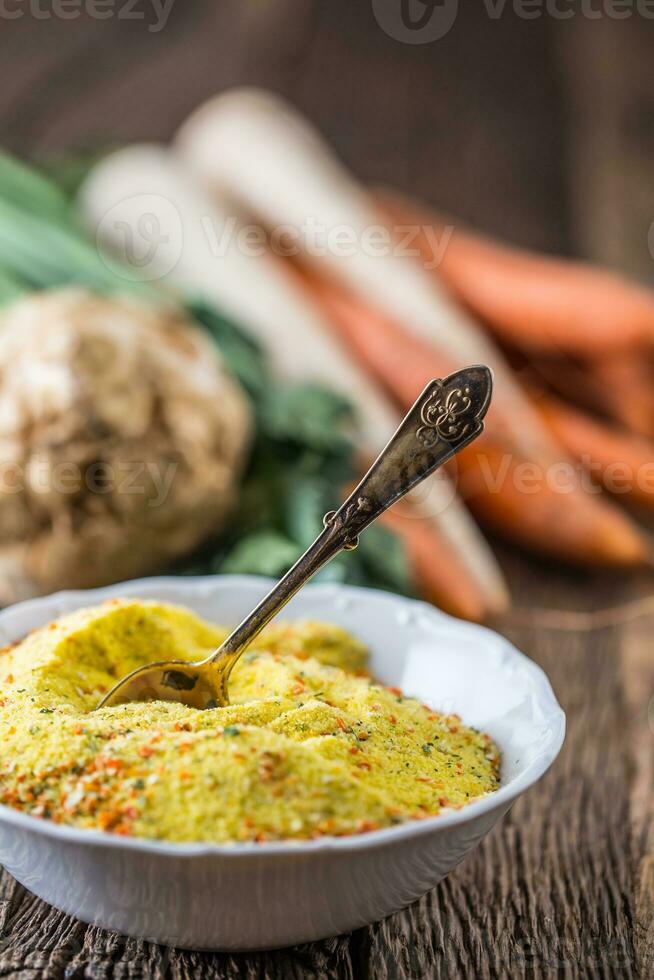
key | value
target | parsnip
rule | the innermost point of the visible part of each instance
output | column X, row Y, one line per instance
column 143, row 190
column 145, row 187
column 255, row 147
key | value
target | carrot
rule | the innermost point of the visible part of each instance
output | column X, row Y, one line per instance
column 569, row 524
column 626, row 381
column 571, row 379
column 619, row 387
column 516, row 495
column 447, row 566
column 534, row 301
column 256, row 148
column 439, row 572
column 400, row 361
column 621, row 462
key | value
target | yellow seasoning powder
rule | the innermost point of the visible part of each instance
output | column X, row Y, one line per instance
column 310, row 745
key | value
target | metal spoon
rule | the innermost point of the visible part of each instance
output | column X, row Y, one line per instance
column 447, row 416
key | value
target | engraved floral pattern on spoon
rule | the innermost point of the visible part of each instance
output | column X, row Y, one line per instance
column 446, row 415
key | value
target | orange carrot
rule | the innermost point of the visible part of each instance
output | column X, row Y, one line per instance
column 524, row 507
column 438, row 570
column 621, row 462
column 626, row 381
column 518, row 496
column 570, row 379
column 534, row 301
column 619, row 387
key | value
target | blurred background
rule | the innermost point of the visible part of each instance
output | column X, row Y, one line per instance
column 540, row 130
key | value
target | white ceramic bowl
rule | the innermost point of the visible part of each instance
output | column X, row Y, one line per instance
column 258, row 896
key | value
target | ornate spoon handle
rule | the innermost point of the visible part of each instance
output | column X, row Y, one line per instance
column 447, row 416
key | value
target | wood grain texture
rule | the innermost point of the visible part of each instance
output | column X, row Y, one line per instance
column 638, row 680
column 479, row 124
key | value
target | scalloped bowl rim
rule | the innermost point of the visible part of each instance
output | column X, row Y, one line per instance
column 506, row 794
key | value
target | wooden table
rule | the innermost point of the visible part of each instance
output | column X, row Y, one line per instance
column 537, row 130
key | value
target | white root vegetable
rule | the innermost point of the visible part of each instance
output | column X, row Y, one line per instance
column 142, row 195
column 123, row 440
column 255, row 147
column 209, row 250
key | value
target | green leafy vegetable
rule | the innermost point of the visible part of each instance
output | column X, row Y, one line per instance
column 243, row 356
column 384, row 560
column 31, row 192
column 262, row 553
column 309, row 415
column 10, row 287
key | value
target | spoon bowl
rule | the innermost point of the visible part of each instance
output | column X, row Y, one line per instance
column 196, row 685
